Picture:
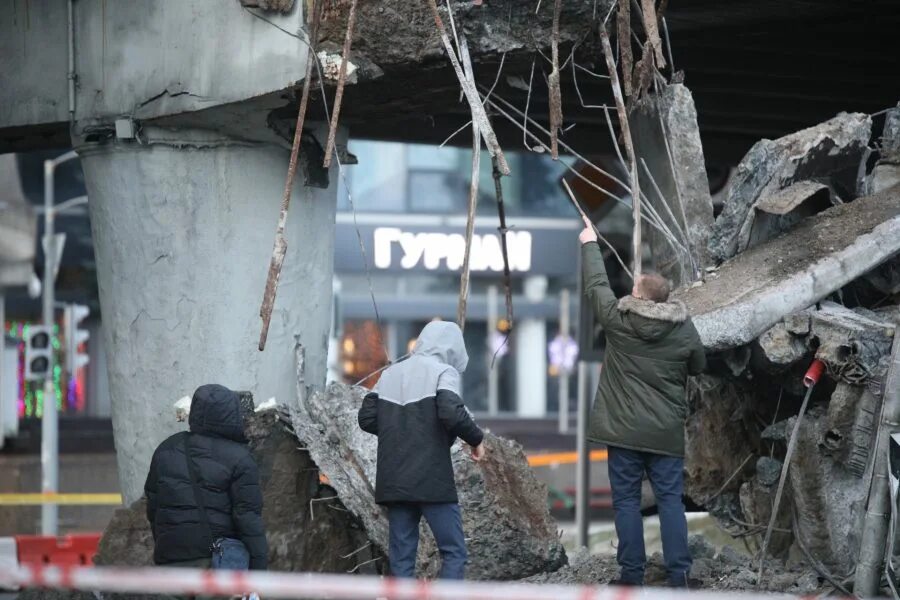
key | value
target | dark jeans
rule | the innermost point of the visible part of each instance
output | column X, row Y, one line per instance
column 445, row 521
column 626, row 472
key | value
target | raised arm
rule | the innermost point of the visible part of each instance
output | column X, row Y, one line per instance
column 595, row 284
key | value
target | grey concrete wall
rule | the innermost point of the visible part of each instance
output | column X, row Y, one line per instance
column 156, row 57
column 193, row 63
column 671, row 118
column 183, row 238
column 33, row 63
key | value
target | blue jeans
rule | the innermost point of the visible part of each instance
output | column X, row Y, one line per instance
column 626, row 472
column 445, row 521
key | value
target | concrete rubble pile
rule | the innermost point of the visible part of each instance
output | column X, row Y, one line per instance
column 806, row 255
column 318, row 479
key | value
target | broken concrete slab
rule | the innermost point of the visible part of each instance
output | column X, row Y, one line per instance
column 829, row 499
column 850, row 427
column 850, row 343
column 886, row 172
column 505, row 516
column 779, row 348
column 750, row 293
column 663, row 124
column 403, row 35
column 829, row 153
column 797, row 323
column 782, row 211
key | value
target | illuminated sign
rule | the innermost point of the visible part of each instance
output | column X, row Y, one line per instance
column 437, row 250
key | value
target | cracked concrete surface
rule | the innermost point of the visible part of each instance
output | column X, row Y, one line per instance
column 183, row 239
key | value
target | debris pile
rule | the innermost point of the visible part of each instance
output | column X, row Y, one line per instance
column 723, row 569
column 808, row 253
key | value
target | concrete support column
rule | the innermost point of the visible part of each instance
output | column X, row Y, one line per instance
column 183, row 235
column 531, row 356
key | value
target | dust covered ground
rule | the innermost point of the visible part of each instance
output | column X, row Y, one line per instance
column 717, row 568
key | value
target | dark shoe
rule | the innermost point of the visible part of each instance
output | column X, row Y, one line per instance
column 624, row 583
column 688, row 583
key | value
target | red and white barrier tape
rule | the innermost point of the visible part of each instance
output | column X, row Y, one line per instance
column 321, row 586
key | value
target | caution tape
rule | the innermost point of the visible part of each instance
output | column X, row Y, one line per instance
column 563, row 458
column 323, row 586
column 69, row 499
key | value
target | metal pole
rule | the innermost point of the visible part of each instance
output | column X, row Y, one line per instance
column 583, row 472
column 50, row 417
column 563, row 375
column 493, row 373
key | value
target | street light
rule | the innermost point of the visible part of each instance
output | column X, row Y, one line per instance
column 50, row 417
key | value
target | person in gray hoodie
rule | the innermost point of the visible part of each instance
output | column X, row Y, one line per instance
column 417, row 413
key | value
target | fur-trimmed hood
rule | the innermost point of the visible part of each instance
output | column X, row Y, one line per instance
column 654, row 320
column 672, row 312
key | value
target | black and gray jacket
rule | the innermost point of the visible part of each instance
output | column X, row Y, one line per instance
column 417, row 413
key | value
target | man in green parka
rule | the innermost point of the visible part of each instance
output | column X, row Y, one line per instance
column 641, row 406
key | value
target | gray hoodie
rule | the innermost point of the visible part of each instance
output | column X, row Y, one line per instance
column 436, row 362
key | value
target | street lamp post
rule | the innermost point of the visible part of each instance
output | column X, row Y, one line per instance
column 50, row 417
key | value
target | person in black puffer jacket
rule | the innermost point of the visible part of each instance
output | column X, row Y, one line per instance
column 228, row 481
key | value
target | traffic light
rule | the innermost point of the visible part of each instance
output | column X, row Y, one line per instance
column 75, row 337
column 38, row 347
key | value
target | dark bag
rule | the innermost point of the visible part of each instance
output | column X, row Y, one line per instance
column 226, row 553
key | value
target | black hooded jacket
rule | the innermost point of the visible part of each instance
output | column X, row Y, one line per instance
column 229, row 484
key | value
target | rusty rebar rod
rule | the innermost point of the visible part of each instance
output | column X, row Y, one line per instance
column 342, row 80
column 556, row 116
column 478, row 113
column 629, row 149
column 280, row 245
column 473, row 197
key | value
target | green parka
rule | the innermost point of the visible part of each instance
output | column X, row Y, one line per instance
column 651, row 348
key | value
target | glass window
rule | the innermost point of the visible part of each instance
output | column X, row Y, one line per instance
column 378, row 182
column 436, row 191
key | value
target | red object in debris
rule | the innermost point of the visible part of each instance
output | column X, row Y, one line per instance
column 78, row 550
column 813, row 373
